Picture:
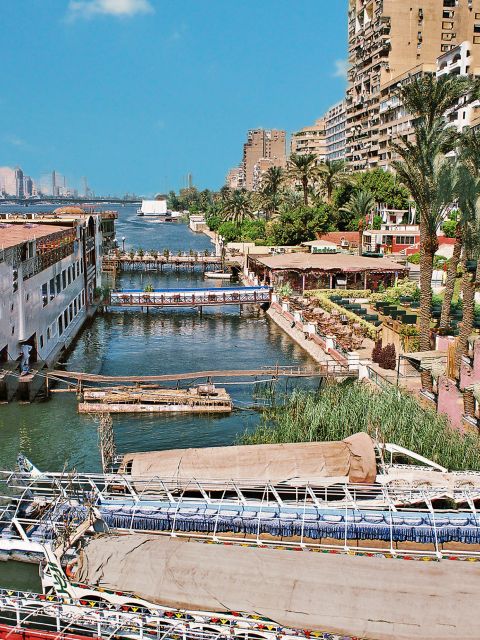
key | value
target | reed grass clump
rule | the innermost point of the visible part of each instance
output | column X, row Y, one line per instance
column 339, row 410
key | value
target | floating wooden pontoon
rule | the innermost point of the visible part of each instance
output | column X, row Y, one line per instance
column 149, row 399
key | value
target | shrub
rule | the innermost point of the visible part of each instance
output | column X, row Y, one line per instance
column 285, row 290
column 388, row 357
column 414, row 258
column 377, row 350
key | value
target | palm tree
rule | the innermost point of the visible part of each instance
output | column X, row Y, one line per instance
column 468, row 189
column 469, row 156
column 332, row 174
column 359, row 207
column 272, row 180
column 304, row 169
column 427, row 174
column 238, row 207
column 270, row 194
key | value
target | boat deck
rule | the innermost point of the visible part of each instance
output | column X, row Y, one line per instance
column 148, row 399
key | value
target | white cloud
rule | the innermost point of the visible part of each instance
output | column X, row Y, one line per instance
column 15, row 141
column 117, row 8
column 341, row 69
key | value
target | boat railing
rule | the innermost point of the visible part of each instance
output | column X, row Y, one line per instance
column 37, row 613
column 308, row 517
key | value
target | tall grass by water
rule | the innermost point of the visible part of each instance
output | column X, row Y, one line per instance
column 339, row 410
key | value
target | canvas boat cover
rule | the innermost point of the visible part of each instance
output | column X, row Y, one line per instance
column 371, row 597
column 353, row 458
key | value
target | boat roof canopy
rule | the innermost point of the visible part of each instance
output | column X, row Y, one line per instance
column 292, row 464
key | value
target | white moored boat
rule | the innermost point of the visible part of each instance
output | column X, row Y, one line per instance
column 218, row 275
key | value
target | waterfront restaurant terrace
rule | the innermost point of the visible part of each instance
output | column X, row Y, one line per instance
column 305, row 271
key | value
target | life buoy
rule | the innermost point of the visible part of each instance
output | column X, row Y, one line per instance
column 70, row 569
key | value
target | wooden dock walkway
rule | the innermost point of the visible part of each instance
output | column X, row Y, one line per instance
column 152, row 262
column 215, row 296
column 329, row 369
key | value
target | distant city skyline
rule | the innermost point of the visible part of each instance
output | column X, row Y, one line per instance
column 137, row 94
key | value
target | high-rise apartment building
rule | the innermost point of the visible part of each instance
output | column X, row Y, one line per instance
column 389, row 39
column 311, row 139
column 335, row 131
column 19, row 186
column 262, row 144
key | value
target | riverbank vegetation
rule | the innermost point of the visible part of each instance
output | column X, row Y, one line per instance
column 295, row 204
column 391, row 415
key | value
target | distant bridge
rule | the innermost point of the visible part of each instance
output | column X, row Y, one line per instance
column 215, row 296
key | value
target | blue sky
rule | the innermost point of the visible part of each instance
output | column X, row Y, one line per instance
column 136, row 93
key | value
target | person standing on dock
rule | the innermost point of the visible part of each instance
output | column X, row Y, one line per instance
column 25, row 354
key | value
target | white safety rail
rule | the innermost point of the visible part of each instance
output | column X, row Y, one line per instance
column 388, row 508
column 191, row 297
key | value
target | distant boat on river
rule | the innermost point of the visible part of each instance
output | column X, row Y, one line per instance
column 158, row 208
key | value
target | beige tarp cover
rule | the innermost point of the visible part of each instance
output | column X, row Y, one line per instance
column 291, row 463
column 369, row 597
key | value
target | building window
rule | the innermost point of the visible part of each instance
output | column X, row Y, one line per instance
column 70, row 311
column 83, row 298
column 75, row 307
column 41, row 342
column 69, row 275
column 58, row 281
column 78, row 268
column 44, row 294
column 448, row 14
column 52, row 288
column 13, row 329
column 49, row 333
column 65, row 318
column 476, row 28
column 64, row 279
column 447, row 25
column 60, row 325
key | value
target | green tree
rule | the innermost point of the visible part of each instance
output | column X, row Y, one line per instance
column 238, row 207
column 424, row 170
column 360, row 205
column 468, row 193
column 332, row 174
column 303, row 169
column 385, row 188
column 299, row 225
column 270, row 197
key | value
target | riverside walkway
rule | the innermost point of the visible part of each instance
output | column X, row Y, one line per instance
column 207, row 297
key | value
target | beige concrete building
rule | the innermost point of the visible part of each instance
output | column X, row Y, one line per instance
column 389, row 40
column 235, row 178
column 311, row 140
column 269, row 144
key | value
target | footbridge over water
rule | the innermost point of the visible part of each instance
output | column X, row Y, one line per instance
column 202, row 297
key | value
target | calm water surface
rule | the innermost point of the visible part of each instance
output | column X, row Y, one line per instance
column 54, row 436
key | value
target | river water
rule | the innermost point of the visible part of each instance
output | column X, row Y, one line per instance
column 54, row 436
